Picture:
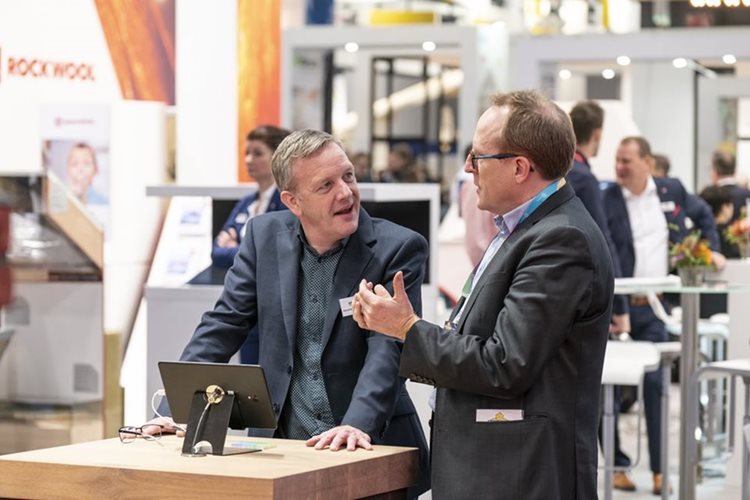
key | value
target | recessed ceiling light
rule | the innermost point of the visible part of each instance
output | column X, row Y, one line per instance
column 608, row 74
column 428, row 46
column 565, row 74
column 679, row 62
column 729, row 59
column 351, row 47
column 623, row 60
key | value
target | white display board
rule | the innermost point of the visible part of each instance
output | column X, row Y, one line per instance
column 50, row 51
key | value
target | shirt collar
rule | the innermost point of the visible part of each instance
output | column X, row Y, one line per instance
column 268, row 192
column 303, row 239
column 510, row 219
column 727, row 181
column 581, row 158
column 650, row 189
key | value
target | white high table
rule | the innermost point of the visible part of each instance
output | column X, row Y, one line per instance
column 689, row 300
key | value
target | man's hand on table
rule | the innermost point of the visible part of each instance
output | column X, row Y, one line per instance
column 343, row 435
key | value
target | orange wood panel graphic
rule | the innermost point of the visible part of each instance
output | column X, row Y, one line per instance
column 140, row 37
column 258, row 53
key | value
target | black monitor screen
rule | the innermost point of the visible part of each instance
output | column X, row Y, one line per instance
column 414, row 214
column 252, row 408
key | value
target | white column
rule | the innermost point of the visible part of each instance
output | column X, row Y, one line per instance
column 206, row 92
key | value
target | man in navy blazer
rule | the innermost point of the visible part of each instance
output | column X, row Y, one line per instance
column 518, row 368
column 331, row 382
column 587, row 118
column 645, row 214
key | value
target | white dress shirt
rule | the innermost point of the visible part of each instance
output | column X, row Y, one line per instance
column 650, row 231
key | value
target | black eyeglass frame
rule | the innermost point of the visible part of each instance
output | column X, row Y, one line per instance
column 499, row 156
column 130, row 433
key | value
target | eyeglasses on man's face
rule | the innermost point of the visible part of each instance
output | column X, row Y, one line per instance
column 149, row 432
column 500, row 156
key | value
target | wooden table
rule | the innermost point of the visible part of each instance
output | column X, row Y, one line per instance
column 110, row 469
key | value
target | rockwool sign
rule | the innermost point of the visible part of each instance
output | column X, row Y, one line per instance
column 15, row 66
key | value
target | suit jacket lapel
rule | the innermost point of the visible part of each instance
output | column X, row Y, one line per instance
column 357, row 255
column 289, row 249
column 554, row 201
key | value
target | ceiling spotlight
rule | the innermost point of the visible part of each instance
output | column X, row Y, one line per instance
column 429, row 46
column 351, row 47
column 565, row 74
column 623, row 60
column 698, row 3
column 608, row 74
column 679, row 62
column 729, row 59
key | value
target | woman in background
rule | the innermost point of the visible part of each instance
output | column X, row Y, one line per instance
column 260, row 145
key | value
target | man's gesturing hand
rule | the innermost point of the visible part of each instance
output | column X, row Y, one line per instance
column 375, row 309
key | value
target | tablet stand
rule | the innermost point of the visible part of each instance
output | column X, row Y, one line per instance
column 208, row 424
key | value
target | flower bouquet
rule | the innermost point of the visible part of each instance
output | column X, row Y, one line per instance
column 691, row 257
column 738, row 233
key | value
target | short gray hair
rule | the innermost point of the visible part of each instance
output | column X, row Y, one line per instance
column 300, row 144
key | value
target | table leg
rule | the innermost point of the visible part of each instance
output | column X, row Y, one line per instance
column 688, row 364
column 608, row 445
column 745, row 453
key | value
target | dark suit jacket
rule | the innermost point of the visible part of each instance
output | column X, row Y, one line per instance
column 360, row 367
column 676, row 207
column 532, row 336
column 587, row 189
column 222, row 256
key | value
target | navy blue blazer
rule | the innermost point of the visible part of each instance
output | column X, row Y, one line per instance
column 677, row 207
column 223, row 257
column 586, row 186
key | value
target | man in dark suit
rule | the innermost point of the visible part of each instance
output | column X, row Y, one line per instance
column 331, row 383
column 518, row 370
column 645, row 214
column 723, row 169
column 587, row 118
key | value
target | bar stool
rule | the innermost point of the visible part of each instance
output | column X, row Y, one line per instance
column 730, row 368
column 625, row 363
column 713, row 334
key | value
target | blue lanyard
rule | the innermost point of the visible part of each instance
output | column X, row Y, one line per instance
column 541, row 197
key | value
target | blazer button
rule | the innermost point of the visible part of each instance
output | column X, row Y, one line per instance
column 276, row 408
column 289, row 369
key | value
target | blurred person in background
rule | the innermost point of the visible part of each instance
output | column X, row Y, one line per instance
column 587, row 118
column 362, row 171
column 260, row 145
column 723, row 173
column 402, row 165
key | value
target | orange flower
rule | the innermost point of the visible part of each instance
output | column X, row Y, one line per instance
column 691, row 251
